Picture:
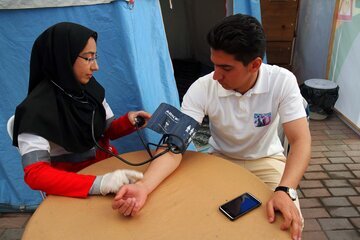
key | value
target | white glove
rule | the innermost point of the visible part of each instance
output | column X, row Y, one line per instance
column 111, row 182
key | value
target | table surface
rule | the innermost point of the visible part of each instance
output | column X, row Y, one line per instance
column 184, row 206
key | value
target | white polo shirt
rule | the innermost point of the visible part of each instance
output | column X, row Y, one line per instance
column 245, row 126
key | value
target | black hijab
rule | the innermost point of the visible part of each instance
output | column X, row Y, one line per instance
column 61, row 112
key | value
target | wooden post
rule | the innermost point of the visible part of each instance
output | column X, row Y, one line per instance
column 331, row 43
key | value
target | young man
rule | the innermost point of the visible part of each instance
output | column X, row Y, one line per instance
column 246, row 100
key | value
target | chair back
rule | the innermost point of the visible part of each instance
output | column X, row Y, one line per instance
column 10, row 126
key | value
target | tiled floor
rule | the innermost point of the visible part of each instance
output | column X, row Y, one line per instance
column 330, row 188
column 329, row 191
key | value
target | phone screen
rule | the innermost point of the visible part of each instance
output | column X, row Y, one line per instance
column 239, row 206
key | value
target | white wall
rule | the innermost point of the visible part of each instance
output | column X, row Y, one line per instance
column 349, row 85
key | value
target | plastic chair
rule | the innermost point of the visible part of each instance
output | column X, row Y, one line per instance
column 10, row 128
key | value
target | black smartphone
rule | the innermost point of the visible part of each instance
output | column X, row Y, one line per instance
column 239, row 206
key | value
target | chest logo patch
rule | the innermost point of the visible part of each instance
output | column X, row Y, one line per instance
column 262, row 119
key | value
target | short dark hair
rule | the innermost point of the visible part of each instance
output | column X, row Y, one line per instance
column 239, row 35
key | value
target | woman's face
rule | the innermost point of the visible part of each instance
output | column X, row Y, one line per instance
column 86, row 64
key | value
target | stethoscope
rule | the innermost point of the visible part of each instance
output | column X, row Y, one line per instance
column 139, row 122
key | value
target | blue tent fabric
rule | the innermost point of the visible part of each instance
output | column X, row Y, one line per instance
column 24, row 4
column 135, row 70
column 249, row 7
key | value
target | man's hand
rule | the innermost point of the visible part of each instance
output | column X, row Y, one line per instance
column 281, row 201
column 130, row 199
column 111, row 182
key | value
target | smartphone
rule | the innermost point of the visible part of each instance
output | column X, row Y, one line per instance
column 239, row 206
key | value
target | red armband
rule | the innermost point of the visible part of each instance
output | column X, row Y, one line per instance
column 119, row 127
column 42, row 176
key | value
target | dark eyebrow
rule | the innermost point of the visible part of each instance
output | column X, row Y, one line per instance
column 89, row 52
column 224, row 66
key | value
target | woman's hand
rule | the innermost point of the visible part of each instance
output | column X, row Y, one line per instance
column 132, row 115
column 111, row 182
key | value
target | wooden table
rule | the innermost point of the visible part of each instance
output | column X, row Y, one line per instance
column 184, row 206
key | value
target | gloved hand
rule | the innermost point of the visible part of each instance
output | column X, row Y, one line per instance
column 111, row 182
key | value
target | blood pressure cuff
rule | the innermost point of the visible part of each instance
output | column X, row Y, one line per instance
column 177, row 128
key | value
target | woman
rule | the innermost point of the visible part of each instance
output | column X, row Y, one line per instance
column 65, row 112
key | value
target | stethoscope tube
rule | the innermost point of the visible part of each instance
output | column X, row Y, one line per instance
column 173, row 149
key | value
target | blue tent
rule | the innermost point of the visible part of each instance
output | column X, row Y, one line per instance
column 135, row 68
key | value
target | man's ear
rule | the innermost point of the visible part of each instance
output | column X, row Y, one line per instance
column 255, row 64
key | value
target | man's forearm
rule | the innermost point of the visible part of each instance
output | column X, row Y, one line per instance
column 296, row 163
column 159, row 169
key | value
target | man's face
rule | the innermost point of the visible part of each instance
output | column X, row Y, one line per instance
column 232, row 74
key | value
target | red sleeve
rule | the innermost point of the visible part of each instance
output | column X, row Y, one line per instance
column 42, row 176
column 119, row 127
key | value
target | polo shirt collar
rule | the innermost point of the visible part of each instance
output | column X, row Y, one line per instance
column 261, row 85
